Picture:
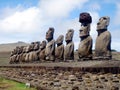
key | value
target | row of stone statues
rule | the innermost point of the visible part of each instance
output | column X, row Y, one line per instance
column 47, row 51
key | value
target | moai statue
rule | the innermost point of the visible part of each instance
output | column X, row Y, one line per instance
column 85, row 46
column 50, row 47
column 17, row 54
column 35, row 51
column 59, row 51
column 42, row 51
column 23, row 54
column 13, row 56
column 103, row 41
column 20, row 54
column 69, row 48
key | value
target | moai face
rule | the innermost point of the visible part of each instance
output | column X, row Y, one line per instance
column 43, row 44
column 69, row 35
column 103, row 23
column 84, row 30
column 49, row 34
column 60, row 39
column 36, row 45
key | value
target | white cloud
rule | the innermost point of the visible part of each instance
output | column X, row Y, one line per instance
column 94, row 6
column 23, row 21
column 32, row 23
column 59, row 8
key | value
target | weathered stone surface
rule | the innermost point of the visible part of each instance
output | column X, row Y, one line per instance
column 50, row 47
column 51, row 79
column 59, row 51
column 69, row 48
column 42, row 50
column 85, row 46
column 103, row 41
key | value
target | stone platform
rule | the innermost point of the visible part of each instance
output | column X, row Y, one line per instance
column 97, row 66
column 82, row 75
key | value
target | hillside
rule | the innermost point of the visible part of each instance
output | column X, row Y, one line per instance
column 10, row 46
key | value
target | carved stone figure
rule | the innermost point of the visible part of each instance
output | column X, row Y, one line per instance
column 35, row 51
column 103, row 41
column 85, row 46
column 50, row 47
column 42, row 51
column 59, row 51
column 13, row 56
column 69, row 48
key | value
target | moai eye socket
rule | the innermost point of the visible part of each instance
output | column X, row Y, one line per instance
column 80, row 30
column 104, row 18
column 98, row 23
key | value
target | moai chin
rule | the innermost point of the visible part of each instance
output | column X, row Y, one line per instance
column 69, row 48
column 103, row 41
column 59, row 51
column 42, row 51
column 50, row 47
column 85, row 46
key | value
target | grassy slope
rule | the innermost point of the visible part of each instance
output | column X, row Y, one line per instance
column 10, row 46
column 12, row 85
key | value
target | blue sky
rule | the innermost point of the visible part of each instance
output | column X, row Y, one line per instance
column 28, row 20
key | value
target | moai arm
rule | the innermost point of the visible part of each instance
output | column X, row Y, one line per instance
column 52, row 48
column 71, row 52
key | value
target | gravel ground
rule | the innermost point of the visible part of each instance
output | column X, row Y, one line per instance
column 57, row 79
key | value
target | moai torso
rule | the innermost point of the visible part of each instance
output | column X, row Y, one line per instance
column 85, row 46
column 103, row 41
column 59, row 51
column 69, row 48
column 42, row 50
column 50, row 47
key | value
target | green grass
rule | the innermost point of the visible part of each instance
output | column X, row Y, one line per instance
column 12, row 85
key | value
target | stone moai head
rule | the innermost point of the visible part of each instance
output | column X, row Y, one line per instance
column 59, row 40
column 49, row 34
column 69, row 35
column 84, row 30
column 43, row 44
column 85, row 19
column 36, row 45
column 103, row 23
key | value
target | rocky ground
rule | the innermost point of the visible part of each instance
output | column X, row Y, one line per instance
column 51, row 79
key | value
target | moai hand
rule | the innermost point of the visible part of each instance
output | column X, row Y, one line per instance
column 103, row 41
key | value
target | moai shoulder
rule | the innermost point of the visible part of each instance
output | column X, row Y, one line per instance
column 69, row 48
column 103, row 41
column 59, row 51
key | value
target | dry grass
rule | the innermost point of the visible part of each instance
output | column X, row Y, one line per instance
column 4, row 58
